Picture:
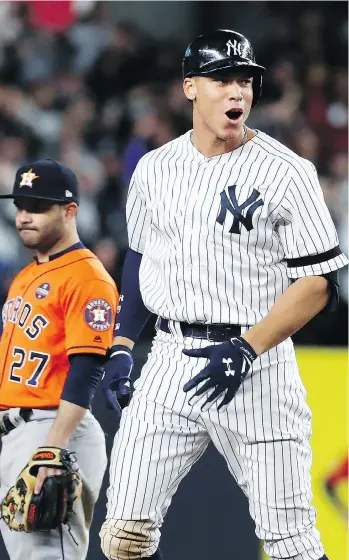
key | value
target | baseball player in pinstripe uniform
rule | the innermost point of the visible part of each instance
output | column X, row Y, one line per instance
column 231, row 245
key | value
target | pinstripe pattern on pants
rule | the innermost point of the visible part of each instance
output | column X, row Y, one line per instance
column 263, row 434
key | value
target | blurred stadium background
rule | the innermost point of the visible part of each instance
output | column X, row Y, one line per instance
column 98, row 84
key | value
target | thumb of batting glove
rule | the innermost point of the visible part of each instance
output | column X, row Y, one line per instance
column 116, row 384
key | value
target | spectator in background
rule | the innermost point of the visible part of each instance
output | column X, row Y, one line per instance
column 86, row 51
column 106, row 251
column 305, row 142
column 337, row 113
column 37, row 110
column 111, row 199
column 150, row 130
column 179, row 107
column 120, row 66
column 90, row 174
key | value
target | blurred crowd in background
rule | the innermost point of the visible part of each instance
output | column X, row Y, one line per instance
column 97, row 95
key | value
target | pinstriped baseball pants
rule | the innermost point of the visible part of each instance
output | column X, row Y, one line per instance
column 263, row 434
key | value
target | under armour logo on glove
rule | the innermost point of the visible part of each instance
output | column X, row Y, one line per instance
column 228, row 361
column 228, row 366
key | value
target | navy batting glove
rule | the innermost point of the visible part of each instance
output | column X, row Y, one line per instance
column 228, row 366
column 117, row 385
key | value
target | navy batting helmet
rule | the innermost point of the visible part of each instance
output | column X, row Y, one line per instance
column 220, row 50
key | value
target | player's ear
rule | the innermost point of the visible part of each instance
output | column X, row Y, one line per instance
column 70, row 210
column 189, row 88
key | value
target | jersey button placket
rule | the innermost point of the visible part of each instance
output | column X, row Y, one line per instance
column 190, row 234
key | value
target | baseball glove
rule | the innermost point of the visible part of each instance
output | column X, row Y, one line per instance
column 22, row 510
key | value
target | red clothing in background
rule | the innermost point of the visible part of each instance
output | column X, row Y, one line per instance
column 55, row 15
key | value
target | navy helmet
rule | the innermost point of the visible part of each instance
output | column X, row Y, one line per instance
column 222, row 50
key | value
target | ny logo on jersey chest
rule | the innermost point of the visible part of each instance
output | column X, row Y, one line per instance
column 230, row 204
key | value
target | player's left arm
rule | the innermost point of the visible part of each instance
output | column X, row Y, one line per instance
column 297, row 306
column 89, row 311
column 310, row 242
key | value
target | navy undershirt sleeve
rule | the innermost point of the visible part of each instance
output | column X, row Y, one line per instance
column 132, row 314
column 333, row 291
column 85, row 372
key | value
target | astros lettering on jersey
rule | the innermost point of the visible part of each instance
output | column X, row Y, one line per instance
column 54, row 309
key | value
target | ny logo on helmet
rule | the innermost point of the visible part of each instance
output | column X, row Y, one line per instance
column 230, row 204
column 235, row 46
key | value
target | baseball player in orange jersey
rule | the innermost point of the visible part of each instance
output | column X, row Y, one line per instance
column 58, row 324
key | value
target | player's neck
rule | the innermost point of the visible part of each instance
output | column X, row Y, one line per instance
column 209, row 145
column 62, row 245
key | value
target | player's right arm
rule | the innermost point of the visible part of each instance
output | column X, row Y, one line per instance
column 138, row 212
column 86, row 305
column 132, row 314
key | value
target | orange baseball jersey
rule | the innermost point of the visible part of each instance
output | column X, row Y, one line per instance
column 55, row 309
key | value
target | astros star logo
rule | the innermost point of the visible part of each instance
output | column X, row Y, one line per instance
column 28, row 178
column 98, row 314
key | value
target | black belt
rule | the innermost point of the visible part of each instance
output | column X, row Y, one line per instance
column 212, row 333
column 6, row 425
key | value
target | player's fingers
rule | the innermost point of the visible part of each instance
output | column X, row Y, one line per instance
column 55, row 472
column 112, row 402
column 216, row 393
column 203, row 389
column 197, row 379
column 39, row 480
column 196, row 352
column 123, row 390
column 229, row 395
column 123, row 398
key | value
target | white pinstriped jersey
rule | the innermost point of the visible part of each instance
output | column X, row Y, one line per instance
column 222, row 237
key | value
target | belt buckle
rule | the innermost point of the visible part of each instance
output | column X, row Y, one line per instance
column 209, row 332
column 223, row 333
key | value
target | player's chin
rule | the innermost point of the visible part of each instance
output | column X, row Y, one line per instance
column 30, row 239
column 231, row 133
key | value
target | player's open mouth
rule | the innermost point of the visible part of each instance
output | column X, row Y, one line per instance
column 234, row 114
